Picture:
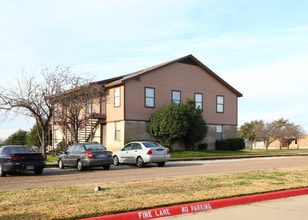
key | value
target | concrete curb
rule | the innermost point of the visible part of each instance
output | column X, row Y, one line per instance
column 55, row 164
column 200, row 206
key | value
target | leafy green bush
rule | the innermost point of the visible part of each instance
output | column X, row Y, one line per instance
column 202, row 146
column 18, row 138
column 232, row 144
column 62, row 145
column 182, row 122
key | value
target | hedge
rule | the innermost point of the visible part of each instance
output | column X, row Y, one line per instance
column 232, row 144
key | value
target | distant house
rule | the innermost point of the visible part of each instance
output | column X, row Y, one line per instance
column 300, row 143
column 129, row 100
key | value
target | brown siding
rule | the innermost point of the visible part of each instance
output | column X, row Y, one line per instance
column 189, row 79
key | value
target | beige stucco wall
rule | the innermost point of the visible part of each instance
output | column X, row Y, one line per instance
column 130, row 130
column 302, row 143
column 57, row 138
column 188, row 79
column 114, row 113
column 96, row 135
column 111, row 143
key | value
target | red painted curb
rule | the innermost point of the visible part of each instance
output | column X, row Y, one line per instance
column 200, row 206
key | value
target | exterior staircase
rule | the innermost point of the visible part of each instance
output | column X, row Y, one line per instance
column 88, row 130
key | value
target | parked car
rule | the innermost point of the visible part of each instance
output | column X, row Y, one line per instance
column 141, row 153
column 17, row 158
column 83, row 155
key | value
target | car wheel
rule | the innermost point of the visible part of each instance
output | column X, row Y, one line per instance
column 139, row 162
column 2, row 173
column 116, row 161
column 61, row 165
column 38, row 171
column 106, row 167
column 79, row 165
column 161, row 164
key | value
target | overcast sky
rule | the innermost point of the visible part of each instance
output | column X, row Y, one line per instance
column 259, row 47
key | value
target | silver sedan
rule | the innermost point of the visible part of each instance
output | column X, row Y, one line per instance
column 141, row 153
column 85, row 155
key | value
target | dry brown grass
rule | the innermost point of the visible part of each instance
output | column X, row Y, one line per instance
column 77, row 201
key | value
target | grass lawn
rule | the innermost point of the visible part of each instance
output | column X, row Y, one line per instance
column 215, row 153
column 51, row 158
column 76, row 201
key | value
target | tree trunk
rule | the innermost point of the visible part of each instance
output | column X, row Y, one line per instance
column 43, row 142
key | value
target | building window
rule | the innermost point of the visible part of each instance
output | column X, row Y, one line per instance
column 56, row 110
column 176, row 97
column 89, row 107
column 149, row 97
column 199, row 100
column 117, row 131
column 117, row 96
column 219, row 132
column 220, row 104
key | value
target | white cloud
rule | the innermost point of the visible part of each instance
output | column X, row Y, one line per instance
column 284, row 78
column 273, row 91
column 261, row 52
column 5, row 133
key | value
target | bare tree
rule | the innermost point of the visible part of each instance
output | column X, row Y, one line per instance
column 281, row 130
column 30, row 96
column 265, row 132
column 287, row 131
column 74, row 107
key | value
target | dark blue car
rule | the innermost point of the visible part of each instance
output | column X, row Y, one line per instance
column 16, row 158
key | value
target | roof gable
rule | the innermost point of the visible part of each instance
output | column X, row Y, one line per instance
column 190, row 59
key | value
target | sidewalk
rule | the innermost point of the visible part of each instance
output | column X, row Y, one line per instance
column 283, row 209
column 287, row 204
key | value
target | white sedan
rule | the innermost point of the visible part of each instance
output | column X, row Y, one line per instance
column 141, row 153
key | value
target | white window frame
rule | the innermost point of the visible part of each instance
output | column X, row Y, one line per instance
column 219, row 132
column 89, row 107
column 149, row 97
column 220, row 104
column 117, row 131
column 117, row 96
column 176, row 97
column 199, row 100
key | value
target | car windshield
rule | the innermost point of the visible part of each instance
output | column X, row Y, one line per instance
column 151, row 144
column 18, row 150
column 91, row 147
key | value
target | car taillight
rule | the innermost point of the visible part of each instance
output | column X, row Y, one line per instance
column 168, row 151
column 40, row 158
column 89, row 154
column 149, row 152
column 17, row 158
